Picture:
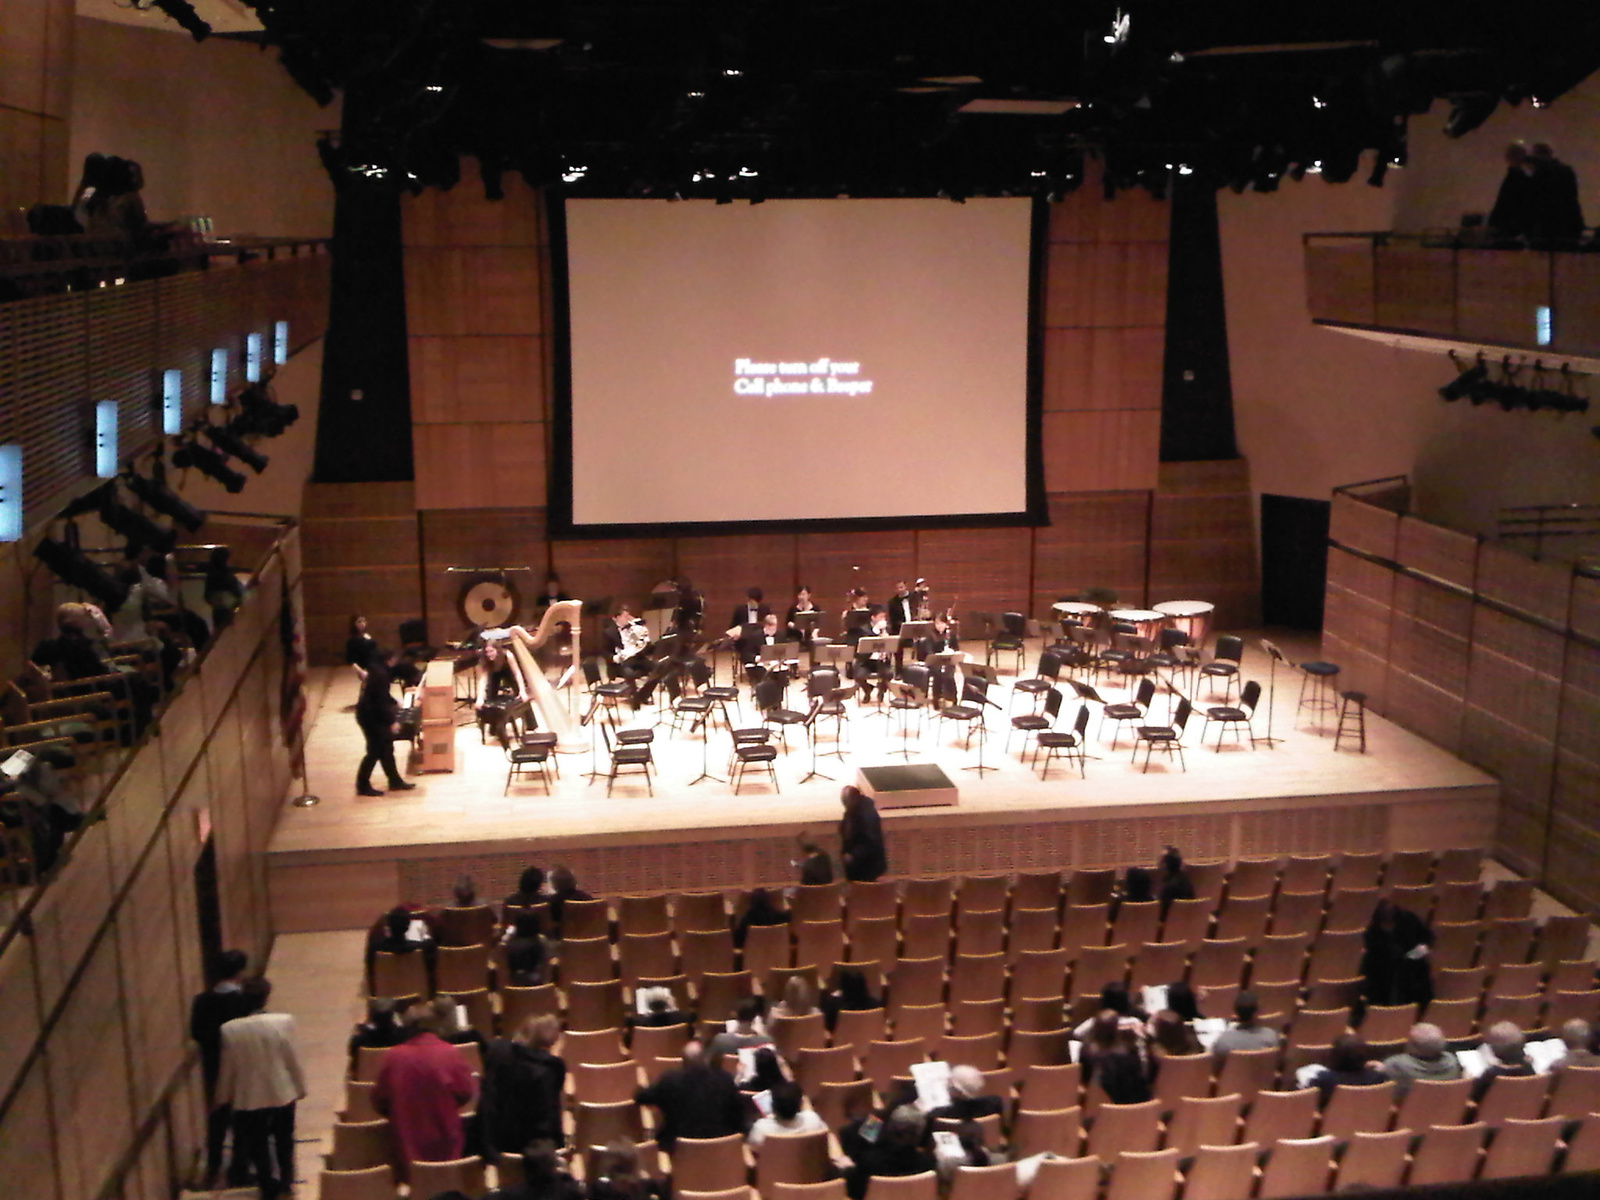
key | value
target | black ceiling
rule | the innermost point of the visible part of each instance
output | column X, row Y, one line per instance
column 822, row 97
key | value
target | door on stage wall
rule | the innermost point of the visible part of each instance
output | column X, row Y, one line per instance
column 1294, row 561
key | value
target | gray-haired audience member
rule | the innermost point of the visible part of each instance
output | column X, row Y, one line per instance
column 1427, row 1056
column 1579, row 1038
column 1245, row 1033
column 1508, row 1055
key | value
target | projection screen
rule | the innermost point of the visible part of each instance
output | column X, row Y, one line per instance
column 795, row 361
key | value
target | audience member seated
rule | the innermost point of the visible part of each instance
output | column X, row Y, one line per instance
column 1175, row 882
column 1171, row 1034
column 380, row 1030
column 526, row 957
column 967, row 1101
column 543, row 1178
column 763, row 910
column 1427, row 1056
column 816, row 866
column 788, row 1116
column 396, row 936
column 522, row 1087
column 743, row 1036
column 1181, row 1000
column 530, row 890
column 851, row 995
column 1136, row 888
column 1114, row 996
column 421, row 1087
column 619, row 1176
column 1507, row 1056
column 694, row 1100
column 1110, row 1057
column 1347, row 1064
column 1245, row 1033
column 1579, row 1038
column 768, row 1073
column 890, row 1147
column 799, row 998
column 1394, row 958
column 563, row 887
column 447, row 1024
column 659, row 1014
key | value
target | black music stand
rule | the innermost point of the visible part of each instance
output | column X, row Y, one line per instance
column 838, row 695
column 980, row 694
column 838, row 655
column 913, row 632
column 1275, row 656
column 776, row 659
column 811, row 736
column 592, row 720
column 705, row 751
column 805, row 624
column 904, row 691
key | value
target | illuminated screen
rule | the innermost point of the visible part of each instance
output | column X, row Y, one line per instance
column 798, row 360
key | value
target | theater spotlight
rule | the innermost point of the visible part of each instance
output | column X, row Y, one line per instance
column 157, row 495
column 73, row 569
column 208, row 463
column 229, row 442
column 260, row 413
column 135, row 526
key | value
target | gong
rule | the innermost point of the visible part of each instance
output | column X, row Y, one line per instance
column 488, row 601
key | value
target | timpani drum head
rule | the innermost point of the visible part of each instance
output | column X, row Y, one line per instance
column 489, row 601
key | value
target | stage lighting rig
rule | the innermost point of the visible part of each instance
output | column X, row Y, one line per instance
column 154, row 493
column 1464, row 383
column 72, row 568
column 135, row 526
column 260, row 412
column 208, row 463
column 225, row 439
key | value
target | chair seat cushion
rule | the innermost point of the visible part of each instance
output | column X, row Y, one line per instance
column 1051, row 738
column 723, row 693
column 961, row 712
column 766, row 752
column 1124, row 712
column 619, row 687
column 692, row 704
column 786, row 716
column 1225, row 713
column 835, row 708
column 1220, row 668
column 1032, row 685
column 1320, row 668
column 1030, row 721
column 1158, row 733
column 531, row 754
column 751, row 735
column 539, row 739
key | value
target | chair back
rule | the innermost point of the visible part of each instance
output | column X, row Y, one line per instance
column 1250, row 697
column 1049, row 665
column 359, row 1145
column 1297, row 1167
column 792, row 1158
column 998, row 1182
column 374, row 1183
column 1229, row 648
column 708, row 1164
column 1144, row 1175
column 1522, row 1147
column 464, row 1175
column 1145, row 694
column 1180, row 717
column 1448, row 1154
column 1052, row 704
column 904, row 1187
column 1222, row 1173
column 1066, row 1179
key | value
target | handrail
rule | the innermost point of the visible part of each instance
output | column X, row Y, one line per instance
column 1549, row 521
column 25, row 261
column 96, row 811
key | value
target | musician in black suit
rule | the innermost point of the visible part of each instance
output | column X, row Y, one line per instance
column 942, row 639
column 751, row 638
column 627, row 643
column 378, row 716
column 691, row 607
column 902, row 607
column 870, row 668
column 802, row 604
column 751, row 612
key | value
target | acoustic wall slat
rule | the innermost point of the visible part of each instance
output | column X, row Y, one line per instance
column 1101, row 451
column 984, row 569
column 28, row 1150
column 1360, row 600
column 481, row 538
column 121, row 324
column 1360, row 669
column 462, row 290
column 833, row 563
column 147, row 939
column 1415, row 288
column 1364, row 527
column 359, row 500
column 90, row 1097
column 1575, row 319
column 1093, row 540
column 19, row 1011
column 1442, row 553
column 1086, row 216
column 1497, row 295
column 1105, row 284
column 476, row 379
column 44, row 374
column 499, row 465
column 1574, row 848
column 1585, row 617
column 1103, row 368
column 462, row 217
column 1541, row 588
column 1428, row 635
column 722, row 568
column 1424, row 708
column 363, row 542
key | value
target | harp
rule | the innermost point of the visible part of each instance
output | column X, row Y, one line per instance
column 553, row 715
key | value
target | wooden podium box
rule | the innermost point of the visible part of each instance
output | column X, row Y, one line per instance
column 438, row 745
column 438, row 717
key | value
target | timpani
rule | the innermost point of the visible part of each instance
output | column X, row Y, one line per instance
column 1080, row 611
column 1191, row 616
column 1147, row 621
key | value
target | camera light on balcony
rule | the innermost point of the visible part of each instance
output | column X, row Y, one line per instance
column 172, row 401
column 280, row 342
column 252, row 358
column 105, row 439
column 10, row 493
column 219, row 375
column 1543, row 326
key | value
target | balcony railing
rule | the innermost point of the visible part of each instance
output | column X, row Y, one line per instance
column 1437, row 285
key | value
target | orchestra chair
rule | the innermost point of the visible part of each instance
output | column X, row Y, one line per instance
column 626, row 756
column 1054, row 744
column 1373, row 1160
column 1447, row 1154
column 1144, row 1175
column 1228, row 717
column 1297, row 1167
column 1036, row 722
column 1009, row 638
column 1120, row 714
column 792, row 1158
column 373, row 1183
column 1044, row 681
column 1224, row 665
column 769, row 695
column 760, row 755
column 1172, row 655
column 1067, row 1179
column 1166, row 738
column 1222, row 1172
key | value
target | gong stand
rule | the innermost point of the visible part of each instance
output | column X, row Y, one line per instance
column 488, row 598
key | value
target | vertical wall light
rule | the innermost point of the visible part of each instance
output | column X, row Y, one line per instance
column 172, row 401
column 280, row 342
column 219, row 375
column 1543, row 325
column 252, row 358
column 105, row 439
column 10, row 493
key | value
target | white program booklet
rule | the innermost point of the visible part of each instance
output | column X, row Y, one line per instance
column 642, row 998
column 933, row 1084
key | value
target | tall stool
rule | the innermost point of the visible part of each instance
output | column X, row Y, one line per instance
column 1318, row 679
column 1352, row 720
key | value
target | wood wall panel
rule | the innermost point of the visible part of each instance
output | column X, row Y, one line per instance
column 457, row 291
column 1086, row 216
column 1541, row 588
column 1093, row 540
column 1364, row 527
column 1103, row 368
column 89, row 1085
column 833, row 563
column 614, row 569
column 1105, row 284
column 1340, row 282
column 1576, row 303
column 476, row 379
column 724, row 567
column 19, row 1009
column 1425, row 709
column 1101, row 451
column 28, row 1149
column 147, row 939
column 499, row 465
column 1360, row 669
column 462, row 217
column 1497, row 294
column 1415, row 288
column 369, row 542
column 1442, row 553
column 977, row 569
column 480, row 538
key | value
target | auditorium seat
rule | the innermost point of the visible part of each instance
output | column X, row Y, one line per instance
column 1521, row 1147
column 1222, row 1173
column 1297, row 1167
column 1056, row 1131
column 1277, row 1116
column 1151, row 1175
column 1447, row 1154
column 1373, row 1160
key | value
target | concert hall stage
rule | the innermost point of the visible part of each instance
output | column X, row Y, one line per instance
column 337, row 865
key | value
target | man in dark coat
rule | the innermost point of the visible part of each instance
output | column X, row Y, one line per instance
column 377, row 714
column 208, row 1012
column 861, row 837
column 695, row 1100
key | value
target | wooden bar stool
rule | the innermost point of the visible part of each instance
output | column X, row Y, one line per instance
column 1352, row 720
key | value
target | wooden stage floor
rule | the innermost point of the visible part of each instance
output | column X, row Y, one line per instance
column 338, row 864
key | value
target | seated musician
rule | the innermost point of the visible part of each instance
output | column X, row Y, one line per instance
column 500, row 685
column 874, row 667
column 751, row 612
column 751, row 638
column 690, row 608
column 851, row 619
column 802, row 604
column 627, row 642
column 942, row 681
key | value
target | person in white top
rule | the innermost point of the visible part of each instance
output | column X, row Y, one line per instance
column 787, row 1116
column 261, row 1078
